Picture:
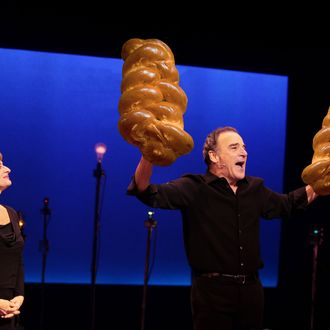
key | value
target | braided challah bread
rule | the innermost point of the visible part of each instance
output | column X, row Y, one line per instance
column 152, row 103
column 317, row 174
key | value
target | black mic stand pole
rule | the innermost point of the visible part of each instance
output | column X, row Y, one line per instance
column 316, row 241
column 98, row 173
column 150, row 224
column 44, row 246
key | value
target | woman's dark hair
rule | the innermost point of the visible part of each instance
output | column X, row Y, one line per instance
column 211, row 141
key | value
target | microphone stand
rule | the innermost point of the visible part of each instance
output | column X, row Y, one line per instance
column 150, row 224
column 316, row 241
column 44, row 247
column 98, row 173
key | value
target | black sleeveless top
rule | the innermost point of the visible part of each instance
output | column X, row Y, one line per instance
column 11, row 255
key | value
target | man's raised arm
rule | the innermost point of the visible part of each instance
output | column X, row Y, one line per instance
column 143, row 174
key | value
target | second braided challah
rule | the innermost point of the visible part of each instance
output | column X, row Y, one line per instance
column 152, row 103
column 317, row 174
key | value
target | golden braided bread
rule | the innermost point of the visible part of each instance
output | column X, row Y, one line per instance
column 317, row 174
column 152, row 103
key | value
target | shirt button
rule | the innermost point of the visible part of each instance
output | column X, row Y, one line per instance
column 240, row 231
column 242, row 264
column 241, row 248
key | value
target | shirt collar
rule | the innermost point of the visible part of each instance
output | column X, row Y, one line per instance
column 210, row 177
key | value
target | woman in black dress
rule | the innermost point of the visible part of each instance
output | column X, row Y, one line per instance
column 11, row 260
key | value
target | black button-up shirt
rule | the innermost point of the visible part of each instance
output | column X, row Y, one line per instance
column 221, row 228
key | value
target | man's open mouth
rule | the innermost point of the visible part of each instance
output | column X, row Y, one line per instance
column 240, row 164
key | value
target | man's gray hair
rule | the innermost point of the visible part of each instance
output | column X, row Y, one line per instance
column 211, row 141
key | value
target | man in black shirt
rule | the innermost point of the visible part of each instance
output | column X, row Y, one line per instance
column 221, row 211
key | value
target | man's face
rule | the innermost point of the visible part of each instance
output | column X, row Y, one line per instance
column 232, row 156
column 4, row 177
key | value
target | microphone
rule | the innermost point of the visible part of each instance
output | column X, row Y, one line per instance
column 46, row 210
column 46, row 201
column 100, row 150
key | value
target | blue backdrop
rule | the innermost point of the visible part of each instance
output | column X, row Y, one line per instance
column 56, row 107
